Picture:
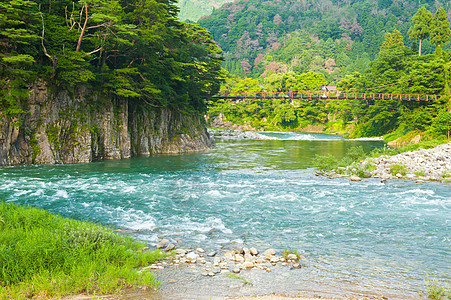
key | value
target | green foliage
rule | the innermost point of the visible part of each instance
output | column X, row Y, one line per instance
column 136, row 50
column 47, row 255
column 398, row 169
column 440, row 31
column 325, row 163
column 244, row 280
column 421, row 26
column 441, row 125
column 334, row 38
column 436, row 289
column 295, row 252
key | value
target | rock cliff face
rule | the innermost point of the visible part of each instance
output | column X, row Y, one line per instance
column 63, row 128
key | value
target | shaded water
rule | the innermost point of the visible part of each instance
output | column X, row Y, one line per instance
column 262, row 194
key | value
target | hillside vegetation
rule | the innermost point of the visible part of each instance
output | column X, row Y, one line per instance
column 399, row 67
column 331, row 37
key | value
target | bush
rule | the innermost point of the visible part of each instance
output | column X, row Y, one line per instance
column 442, row 124
column 398, row 169
column 43, row 254
column 435, row 290
column 325, row 162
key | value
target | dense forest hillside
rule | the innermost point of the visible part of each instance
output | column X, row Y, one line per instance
column 332, row 37
column 193, row 10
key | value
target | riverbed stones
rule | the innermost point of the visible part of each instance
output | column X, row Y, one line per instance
column 423, row 164
column 180, row 251
column 216, row 261
column 253, row 251
column 169, row 247
column 192, row 257
column 200, row 250
column 162, row 243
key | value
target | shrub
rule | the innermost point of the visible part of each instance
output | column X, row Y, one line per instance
column 325, row 162
column 435, row 289
column 398, row 169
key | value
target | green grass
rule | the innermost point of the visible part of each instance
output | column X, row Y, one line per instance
column 43, row 255
column 398, row 169
column 436, row 289
column 287, row 252
column 244, row 280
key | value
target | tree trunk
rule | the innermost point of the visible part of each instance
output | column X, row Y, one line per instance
column 419, row 49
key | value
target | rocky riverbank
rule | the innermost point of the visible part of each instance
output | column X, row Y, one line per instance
column 233, row 261
column 232, row 134
column 421, row 165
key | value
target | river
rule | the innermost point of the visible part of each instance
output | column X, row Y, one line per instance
column 261, row 193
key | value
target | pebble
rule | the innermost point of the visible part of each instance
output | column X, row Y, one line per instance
column 162, row 243
column 192, row 256
column 246, row 259
column 180, row 251
column 170, row 247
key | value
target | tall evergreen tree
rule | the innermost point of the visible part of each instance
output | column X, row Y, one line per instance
column 421, row 26
column 440, row 32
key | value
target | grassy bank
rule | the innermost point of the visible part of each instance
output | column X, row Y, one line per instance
column 43, row 255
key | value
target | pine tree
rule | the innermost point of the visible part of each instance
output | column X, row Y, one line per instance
column 440, row 32
column 421, row 26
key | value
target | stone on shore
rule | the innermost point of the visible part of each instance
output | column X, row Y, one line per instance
column 162, row 243
column 355, row 178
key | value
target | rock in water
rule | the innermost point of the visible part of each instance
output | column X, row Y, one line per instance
column 192, row 257
column 355, row 178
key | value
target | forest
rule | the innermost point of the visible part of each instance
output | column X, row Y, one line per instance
column 129, row 49
column 407, row 55
column 335, row 38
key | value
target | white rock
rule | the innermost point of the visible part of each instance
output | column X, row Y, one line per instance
column 253, row 251
column 192, row 256
column 248, row 265
column 355, row 178
column 292, row 256
column 230, row 255
column 200, row 250
column 216, row 261
column 180, row 251
column 236, row 270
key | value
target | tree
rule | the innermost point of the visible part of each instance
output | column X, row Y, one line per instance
column 18, row 41
column 421, row 26
column 440, row 32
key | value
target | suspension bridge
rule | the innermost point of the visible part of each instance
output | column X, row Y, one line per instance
column 327, row 95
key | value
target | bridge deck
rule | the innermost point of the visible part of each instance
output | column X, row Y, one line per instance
column 330, row 95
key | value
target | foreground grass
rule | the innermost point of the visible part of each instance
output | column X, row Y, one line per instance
column 43, row 255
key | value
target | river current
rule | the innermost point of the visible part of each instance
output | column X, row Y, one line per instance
column 263, row 194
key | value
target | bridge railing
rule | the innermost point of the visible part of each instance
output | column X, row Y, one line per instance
column 327, row 95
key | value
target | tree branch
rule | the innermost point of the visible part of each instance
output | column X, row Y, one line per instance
column 80, row 38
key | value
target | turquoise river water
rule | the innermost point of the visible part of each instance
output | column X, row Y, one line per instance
column 261, row 194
